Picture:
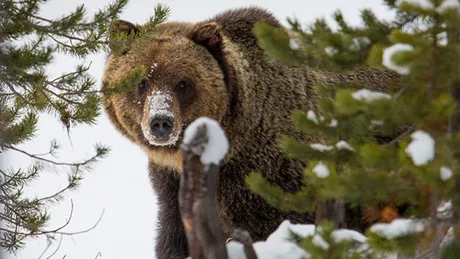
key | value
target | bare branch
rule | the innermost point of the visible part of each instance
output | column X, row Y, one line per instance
column 57, row 248
column 244, row 237
column 205, row 235
column 401, row 136
column 49, row 245
column 51, row 161
column 332, row 210
column 82, row 231
column 57, row 231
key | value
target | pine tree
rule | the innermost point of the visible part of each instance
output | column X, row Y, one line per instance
column 394, row 154
column 28, row 43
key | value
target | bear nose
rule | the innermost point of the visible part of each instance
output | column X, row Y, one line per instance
column 161, row 127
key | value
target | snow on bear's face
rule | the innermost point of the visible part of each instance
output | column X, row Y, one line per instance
column 183, row 82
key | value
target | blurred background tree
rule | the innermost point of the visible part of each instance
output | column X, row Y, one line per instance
column 395, row 155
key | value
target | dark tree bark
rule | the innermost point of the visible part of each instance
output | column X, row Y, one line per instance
column 205, row 235
column 332, row 210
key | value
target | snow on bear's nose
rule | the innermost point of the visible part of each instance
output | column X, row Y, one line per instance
column 158, row 127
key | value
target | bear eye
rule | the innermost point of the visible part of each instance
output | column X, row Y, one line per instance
column 181, row 86
column 142, row 87
column 143, row 84
column 186, row 92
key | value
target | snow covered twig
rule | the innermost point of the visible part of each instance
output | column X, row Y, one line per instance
column 204, row 146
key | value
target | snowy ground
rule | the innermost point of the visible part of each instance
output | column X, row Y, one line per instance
column 279, row 246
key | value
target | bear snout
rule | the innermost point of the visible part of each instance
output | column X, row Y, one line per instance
column 161, row 126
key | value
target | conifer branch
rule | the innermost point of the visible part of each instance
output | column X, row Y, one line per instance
column 27, row 90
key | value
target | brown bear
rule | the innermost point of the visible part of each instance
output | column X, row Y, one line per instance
column 216, row 69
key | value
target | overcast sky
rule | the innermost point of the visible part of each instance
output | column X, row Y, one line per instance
column 119, row 184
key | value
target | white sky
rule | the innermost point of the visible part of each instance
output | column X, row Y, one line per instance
column 119, row 184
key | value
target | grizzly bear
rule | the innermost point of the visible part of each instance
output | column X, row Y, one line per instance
column 216, row 69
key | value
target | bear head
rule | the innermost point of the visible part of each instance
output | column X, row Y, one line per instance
column 186, row 78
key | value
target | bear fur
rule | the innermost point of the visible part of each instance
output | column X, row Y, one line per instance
column 227, row 77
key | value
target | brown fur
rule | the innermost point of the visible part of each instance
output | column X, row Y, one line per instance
column 251, row 96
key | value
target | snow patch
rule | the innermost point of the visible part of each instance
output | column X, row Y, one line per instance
column 377, row 122
column 320, row 242
column 344, row 145
column 444, row 206
column 359, row 42
column 321, row 147
column 424, row 4
column 388, row 53
column 397, row 228
column 428, row 5
column 448, row 5
column 285, row 228
column 445, row 173
column 333, row 123
column 340, row 145
column 279, row 246
column 293, row 44
column 444, row 210
column 368, row 95
column 312, row 116
column 341, row 235
column 321, row 170
column 331, row 51
column 235, row 250
column 442, row 39
column 217, row 146
column 421, row 149
column 5, row 47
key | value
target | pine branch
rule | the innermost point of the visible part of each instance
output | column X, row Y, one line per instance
column 27, row 91
column 19, row 235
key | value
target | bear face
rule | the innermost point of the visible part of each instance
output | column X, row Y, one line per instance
column 184, row 81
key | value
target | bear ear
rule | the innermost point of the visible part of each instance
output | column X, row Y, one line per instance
column 123, row 28
column 208, row 35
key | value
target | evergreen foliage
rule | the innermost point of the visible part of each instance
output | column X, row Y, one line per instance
column 418, row 168
column 28, row 44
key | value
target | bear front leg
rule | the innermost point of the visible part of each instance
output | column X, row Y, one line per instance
column 171, row 242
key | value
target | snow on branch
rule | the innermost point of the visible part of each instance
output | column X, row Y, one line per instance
column 204, row 146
